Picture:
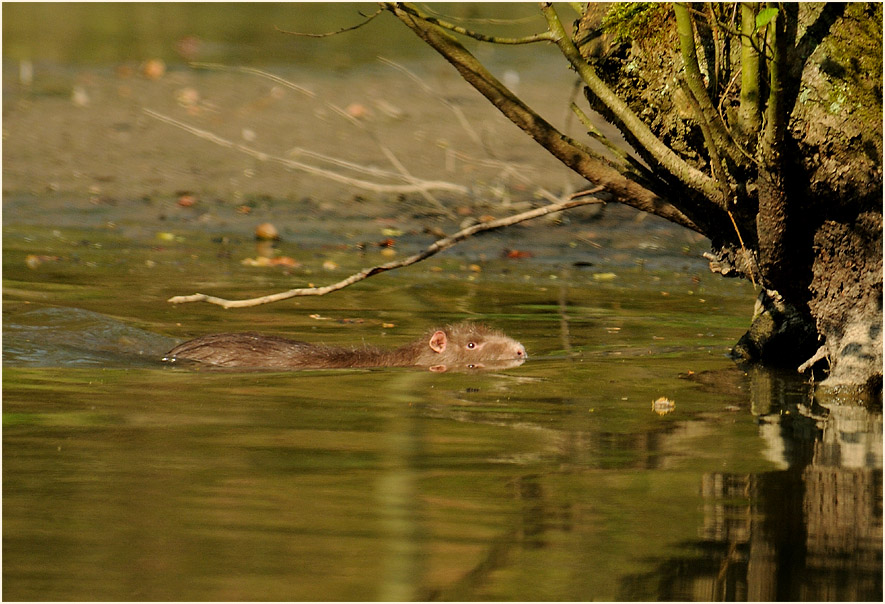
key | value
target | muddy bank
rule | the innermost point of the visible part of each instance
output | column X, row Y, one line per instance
column 85, row 135
column 81, row 150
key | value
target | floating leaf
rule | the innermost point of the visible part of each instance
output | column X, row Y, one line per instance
column 265, row 261
column 266, row 232
column 663, row 406
column 34, row 260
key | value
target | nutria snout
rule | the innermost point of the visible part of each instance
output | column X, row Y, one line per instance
column 464, row 346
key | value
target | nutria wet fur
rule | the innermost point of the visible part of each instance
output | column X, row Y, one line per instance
column 463, row 346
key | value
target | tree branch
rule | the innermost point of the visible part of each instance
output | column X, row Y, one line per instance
column 626, row 162
column 688, row 175
column 332, row 33
column 592, row 167
column 539, row 37
column 252, row 70
column 438, row 246
column 750, row 112
column 775, row 112
column 685, row 30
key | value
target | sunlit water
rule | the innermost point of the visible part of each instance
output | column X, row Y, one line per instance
column 127, row 479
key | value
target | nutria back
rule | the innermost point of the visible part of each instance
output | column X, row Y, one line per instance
column 463, row 346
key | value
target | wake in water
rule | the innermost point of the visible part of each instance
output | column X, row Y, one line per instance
column 72, row 337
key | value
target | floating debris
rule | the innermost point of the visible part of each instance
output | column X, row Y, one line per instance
column 264, row 261
column 266, row 232
column 357, row 111
column 153, row 69
column 34, row 260
column 663, row 406
column 186, row 200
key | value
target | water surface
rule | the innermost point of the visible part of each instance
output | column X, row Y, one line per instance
column 127, row 479
column 627, row 459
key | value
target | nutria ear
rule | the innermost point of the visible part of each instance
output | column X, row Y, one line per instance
column 439, row 368
column 438, row 341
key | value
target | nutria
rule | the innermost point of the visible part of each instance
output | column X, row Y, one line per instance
column 462, row 346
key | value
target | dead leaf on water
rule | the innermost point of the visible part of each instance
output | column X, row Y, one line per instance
column 34, row 260
column 267, row 232
column 357, row 110
column 264, row 261
column 663, row 406
column 153, row 69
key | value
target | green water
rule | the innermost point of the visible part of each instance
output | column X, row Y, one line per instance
column 126, row 479
column 236, row 32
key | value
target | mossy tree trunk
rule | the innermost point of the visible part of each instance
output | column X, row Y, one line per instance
column 759, row 126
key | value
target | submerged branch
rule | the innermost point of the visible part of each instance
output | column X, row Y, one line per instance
column 254, row 71
column 416, row 186
column 459, row 114
column 438, row 246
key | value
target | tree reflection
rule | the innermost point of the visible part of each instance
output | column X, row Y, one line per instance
column 809, row 531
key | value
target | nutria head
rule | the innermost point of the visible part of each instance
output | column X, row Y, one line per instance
column 468, row 345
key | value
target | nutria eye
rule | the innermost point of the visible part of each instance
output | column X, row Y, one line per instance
column 471, row 345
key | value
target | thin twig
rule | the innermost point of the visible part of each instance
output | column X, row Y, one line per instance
column 741, row 240
column 395, row 162
column 403, row 173
column 545, row 36
column 459, row 114
column 296, row 165
column 370, row 170
column 483, row 20
column 258, row 72
column 332, row 33
column 435, row 248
